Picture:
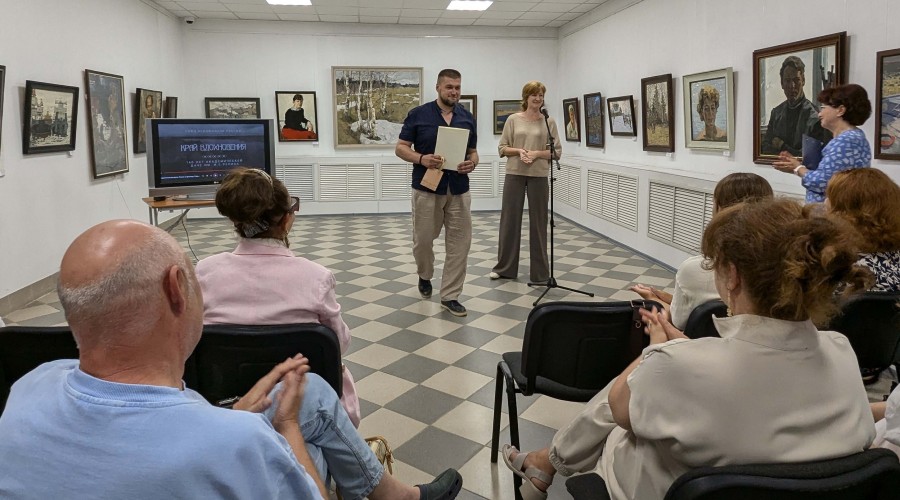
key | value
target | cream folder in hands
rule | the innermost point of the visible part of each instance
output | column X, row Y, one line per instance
column 452, row 144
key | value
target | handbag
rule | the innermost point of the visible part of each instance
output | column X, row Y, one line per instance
column 382, row 451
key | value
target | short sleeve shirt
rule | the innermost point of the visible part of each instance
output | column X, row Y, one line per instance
column 421, row 128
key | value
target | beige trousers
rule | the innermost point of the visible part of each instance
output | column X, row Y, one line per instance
column 430, row 213
column 577, row 446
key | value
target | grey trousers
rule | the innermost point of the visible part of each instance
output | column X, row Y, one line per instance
column 514, row 190
column 430, row 213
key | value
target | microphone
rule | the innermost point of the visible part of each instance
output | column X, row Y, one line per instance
column 544, row 112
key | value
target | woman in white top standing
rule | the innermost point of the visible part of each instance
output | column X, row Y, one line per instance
column 694, row 284
column 526, row 146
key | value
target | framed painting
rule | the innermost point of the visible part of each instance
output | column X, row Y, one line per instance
column 232, row 107
column 571, row 122
column 470, row 102
column 371, row 103
column 106, row 123
column 2, row 86
column 709, row 110
column 593, row 120
column 502, row 110
column 658, row 113
column 786, row 82
column 887, row 105
column 171, row 109
column 148, row 104
column 621, row 116
column 298, row 119
column 51, row 118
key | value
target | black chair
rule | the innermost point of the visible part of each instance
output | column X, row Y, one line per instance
column 571, row 350
column 229, row 359
column 700, row 323
column 870, row 475
column 24, row 348
column 587, row 486
column 871, row 322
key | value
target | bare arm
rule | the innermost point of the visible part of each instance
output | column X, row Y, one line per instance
column 405, row 152
column 878, row 410
column 468, row 165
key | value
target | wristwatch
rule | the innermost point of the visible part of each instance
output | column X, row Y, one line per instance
column 797, row 170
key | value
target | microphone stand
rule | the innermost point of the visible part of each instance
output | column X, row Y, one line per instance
column 551, row 282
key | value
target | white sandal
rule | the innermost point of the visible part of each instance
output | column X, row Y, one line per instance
column 528, row 490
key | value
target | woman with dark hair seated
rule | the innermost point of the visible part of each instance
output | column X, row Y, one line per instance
column 844, row 109
column 694, row 284
column 870, row 201
column 772, row 389
column 262, row 282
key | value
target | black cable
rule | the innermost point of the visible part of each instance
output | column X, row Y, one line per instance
column 188, row 237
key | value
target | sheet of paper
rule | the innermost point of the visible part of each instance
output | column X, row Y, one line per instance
column 432, row 178
column 451, row 145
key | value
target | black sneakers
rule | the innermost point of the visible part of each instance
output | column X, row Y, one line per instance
column 425, row 288
column 454, row 307
column 444, row 487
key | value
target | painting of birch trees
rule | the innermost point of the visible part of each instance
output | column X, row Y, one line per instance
column 370, row 104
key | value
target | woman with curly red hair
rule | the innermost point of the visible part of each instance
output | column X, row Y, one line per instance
column 870, row 201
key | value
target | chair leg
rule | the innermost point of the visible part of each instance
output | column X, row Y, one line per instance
column 498, row 407
column 513, row 424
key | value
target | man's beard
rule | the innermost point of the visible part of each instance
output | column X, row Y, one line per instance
column 447, row 102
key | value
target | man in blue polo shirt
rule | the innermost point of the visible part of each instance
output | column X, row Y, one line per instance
column 448, row 206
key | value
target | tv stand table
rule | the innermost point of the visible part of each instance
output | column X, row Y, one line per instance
column 171, row 204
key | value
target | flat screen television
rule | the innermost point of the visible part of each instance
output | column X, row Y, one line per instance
column 190, row 157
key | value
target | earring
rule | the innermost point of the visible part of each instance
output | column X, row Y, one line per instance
column 728, row 302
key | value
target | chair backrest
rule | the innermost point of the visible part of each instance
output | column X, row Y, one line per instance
column 871, row 321
column 229, row 359
column 24, row 348
column 700, row 323
column 871, row 475
column 582, row 345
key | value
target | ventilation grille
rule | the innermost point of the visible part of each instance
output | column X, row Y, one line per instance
column 298, row 179
column 346, row 182
column 481, row 181
column 395, row 181
column 501, row 177
column 677, row 215
column 613, row 197
column 568, row 185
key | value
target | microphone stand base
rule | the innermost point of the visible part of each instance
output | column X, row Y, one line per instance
column 551, row 283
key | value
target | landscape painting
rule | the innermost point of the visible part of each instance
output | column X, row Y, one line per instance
column 232, row 107
column 51, row 113
column 887, row 105
column 621, row 116
column 371, row 103
column 593, row 120
column 659, row 113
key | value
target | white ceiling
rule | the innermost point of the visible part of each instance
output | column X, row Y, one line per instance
column 534, row 13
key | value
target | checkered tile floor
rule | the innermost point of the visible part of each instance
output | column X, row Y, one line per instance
column 425, row 377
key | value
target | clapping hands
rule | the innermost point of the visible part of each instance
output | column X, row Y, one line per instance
column 658, row 327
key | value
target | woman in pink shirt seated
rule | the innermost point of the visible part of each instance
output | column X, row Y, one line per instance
column 262, row 282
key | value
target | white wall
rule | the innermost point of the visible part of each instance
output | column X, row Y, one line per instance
column 46, row 200
column 682, row 37
column 243, row 58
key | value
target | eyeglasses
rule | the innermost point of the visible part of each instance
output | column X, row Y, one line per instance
column 295, row 204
